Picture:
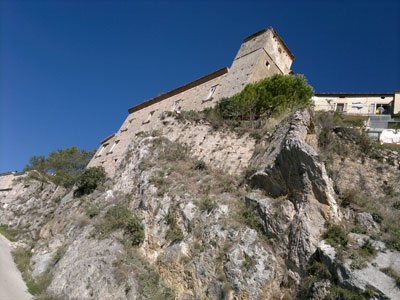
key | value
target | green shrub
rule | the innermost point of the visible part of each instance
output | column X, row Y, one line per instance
column 251, row 218
column 319, row 270
column 339, row 293
column 92, row 211
column 269, row 97
column 89, row 180
column 396, row 205
column 208, row 205
column 377, row 217
column 174, row 233
column 199, row 165
column 134, row 228
column 336, row 236
column 367, row 249
column 8, row 233
column 119, row 217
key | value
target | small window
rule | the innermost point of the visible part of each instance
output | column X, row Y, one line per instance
column 113, row 146
column 268, row 65
column 127, row 125
column 340, row 107
column 175, row 106
column 149, row 117
column 102, row 149
column 280, row 50
column 211, row 93
column 382, row 97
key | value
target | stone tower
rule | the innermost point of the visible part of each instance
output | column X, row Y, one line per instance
column 261, row 55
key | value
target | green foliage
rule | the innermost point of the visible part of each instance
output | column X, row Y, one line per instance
column 199, row 165
column 64, row 164
column 119, row 217
column 8, row 233
column 367, row 249
column 251, row 218
column 336, row 236
column 208, row 205
column 396, row 205
column 270, row 97
column 377, row 217
column 92, row 211
column 339, row 293
column 89, row 180
column 148, row 283
column 174, row 233
column 392, row 273
column 319, row 270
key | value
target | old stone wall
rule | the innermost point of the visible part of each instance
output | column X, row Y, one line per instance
column 261, row 55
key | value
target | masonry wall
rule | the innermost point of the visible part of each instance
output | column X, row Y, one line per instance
column 261, row 55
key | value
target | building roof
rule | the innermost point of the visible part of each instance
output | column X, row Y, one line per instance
column 179, row 90
column 276, row 34
column 353, row 94
column 107, row 138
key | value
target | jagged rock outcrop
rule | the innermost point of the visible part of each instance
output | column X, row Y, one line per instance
column 290, row 170
column 208, row 233
column 368, row 277
column 29, row 205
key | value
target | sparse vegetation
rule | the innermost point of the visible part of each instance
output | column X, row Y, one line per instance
column 37, row 288
column 8, row 233
column 119, row 217
column 174, row 233
column 208, row 205
column 336, row 236
column 392, row 273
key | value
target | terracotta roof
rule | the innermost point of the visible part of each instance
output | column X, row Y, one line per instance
column 179, row 90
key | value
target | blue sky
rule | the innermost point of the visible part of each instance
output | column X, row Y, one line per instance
column 69, row 70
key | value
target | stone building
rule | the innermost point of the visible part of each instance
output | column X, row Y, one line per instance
column 261, row 55
column 377, row 109
column 359, row 103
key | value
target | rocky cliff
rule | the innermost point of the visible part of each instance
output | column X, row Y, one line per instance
column 199, row 212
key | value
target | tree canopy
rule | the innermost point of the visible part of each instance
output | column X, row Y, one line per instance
column 64, row 165
column 269, row 97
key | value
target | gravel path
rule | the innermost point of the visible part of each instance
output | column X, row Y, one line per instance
column 12, row 287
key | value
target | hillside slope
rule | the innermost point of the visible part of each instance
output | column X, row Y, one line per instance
column 177, row 221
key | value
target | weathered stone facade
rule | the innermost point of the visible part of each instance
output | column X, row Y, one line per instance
column 261, row 55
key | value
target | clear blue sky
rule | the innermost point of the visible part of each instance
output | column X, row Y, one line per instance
column 69, row 70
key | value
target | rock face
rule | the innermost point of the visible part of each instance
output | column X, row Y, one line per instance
column 369, row 277
column 208, row 233
column 30, row 204
column 291, row 171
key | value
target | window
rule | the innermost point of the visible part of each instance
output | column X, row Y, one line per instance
column 175, row 106
column 127, row 125
column 149, row 117
column 211, row 93
column 268, row 65
column 340, row 107
column 101, row 150
column 113, row 146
